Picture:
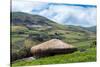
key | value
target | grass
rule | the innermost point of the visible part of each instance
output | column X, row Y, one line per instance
column 78, row 39
column 83, row 44
column 18, row 28
column 16, row 39
column 87, row 56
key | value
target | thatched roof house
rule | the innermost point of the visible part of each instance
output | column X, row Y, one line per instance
column 51, row 47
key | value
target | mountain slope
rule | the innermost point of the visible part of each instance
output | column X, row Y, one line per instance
column 92, row 29
column 28, row 20
column 79, row 28
column 24, row 19
column 28, row 30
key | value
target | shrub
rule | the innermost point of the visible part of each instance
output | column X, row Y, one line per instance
column 93, row 44
column 23, row 53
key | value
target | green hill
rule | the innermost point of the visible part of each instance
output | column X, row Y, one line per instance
column 92, row 29
column 28, row 30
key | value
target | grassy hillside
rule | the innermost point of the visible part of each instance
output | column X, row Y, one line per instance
column 87, row 56
column 93, row 29
column 28, row 30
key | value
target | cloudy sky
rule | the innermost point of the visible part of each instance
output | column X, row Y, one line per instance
column 69, row 14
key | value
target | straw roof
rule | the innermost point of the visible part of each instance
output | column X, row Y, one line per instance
column 51, row 44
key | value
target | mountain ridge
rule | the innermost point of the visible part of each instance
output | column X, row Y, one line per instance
column 20, row 18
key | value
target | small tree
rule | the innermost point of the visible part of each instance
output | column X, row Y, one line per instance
column 93, row 44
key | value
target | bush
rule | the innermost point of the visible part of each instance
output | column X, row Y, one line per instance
column 39, row 37
column 93, row 44
column 23, row 53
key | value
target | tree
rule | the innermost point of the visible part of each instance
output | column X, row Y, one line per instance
column 93, row 44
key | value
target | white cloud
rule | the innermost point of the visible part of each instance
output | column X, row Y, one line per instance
column 75, row 15
column 26, row 6
column 61, row 13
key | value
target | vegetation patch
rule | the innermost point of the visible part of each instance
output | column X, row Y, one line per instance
column 87, row 56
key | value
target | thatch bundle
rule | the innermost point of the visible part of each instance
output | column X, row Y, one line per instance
column 51, row 47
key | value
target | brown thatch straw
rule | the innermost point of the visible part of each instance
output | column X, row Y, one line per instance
column 50, row 45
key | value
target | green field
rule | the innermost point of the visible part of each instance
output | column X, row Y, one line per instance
column 87, row 56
